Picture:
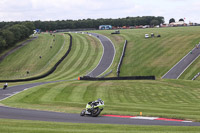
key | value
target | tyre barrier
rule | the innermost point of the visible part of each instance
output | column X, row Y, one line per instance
column 121, row 59
column 119, row 78
column 47, row 73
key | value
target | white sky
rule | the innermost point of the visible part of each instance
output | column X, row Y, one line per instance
column 20, row 10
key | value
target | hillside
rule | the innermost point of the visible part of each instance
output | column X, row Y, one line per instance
column 27, row 58
column 163, row 98
column 155, row 56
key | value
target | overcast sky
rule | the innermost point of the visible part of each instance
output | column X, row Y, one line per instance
column 20, row 10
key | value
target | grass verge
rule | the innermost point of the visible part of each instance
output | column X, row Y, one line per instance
column 12, row 126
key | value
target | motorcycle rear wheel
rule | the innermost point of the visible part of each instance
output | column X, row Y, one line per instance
column 96, row 112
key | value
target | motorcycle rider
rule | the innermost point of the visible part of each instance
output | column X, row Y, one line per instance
column 95, row 102
column 93, row 108
column 5, row 86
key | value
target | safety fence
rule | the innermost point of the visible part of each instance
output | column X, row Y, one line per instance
column 196, row 76
column 121, row 59
column 47, row 73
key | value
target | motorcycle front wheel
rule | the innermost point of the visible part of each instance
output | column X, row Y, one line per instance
column 82, row 112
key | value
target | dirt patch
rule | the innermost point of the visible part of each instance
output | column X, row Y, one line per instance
column 1, row 104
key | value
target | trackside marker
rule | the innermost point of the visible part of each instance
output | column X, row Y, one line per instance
column 186, row 121
column 146, row 118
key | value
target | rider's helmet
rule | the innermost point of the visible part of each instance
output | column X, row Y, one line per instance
column 99, row 99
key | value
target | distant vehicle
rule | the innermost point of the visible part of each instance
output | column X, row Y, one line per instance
column 146, row 35
column 105, row 27
column 116, row 32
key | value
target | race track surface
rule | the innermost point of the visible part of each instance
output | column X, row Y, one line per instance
column 182, row 65
column 107, row 57
column 25, row 114
column 10, row 91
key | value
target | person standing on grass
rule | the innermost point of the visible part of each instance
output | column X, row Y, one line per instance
column 5, row 86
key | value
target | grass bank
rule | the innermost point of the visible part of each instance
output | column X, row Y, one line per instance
column 27, row 58
column 154, row 56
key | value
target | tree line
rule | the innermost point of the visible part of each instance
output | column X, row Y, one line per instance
column 94, row 23
column 11, row 33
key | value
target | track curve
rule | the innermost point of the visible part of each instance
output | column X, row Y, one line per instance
column 107, row 57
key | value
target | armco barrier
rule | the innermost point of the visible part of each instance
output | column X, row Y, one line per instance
column 119, row 78
column 49, row 72
column 196, row 76
column 121, row 59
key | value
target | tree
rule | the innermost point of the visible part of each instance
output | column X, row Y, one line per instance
column 181, row 19
column 154, row 22
column 2, row 43
column 8, row 36
column 15, row 29
column 30, row 26
column 171, row 20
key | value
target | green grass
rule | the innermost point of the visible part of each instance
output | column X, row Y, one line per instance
column 170, row 98
column 27, row 58
column 155, row 56
column 12, row 126
column 84, row 56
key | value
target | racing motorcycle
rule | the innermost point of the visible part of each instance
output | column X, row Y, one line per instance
column 93, row 108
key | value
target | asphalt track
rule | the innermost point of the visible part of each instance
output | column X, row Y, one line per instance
column 25, row 114
column 176, row 71
column 107, row 57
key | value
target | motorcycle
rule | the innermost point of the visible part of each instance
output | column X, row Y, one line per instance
column 93, row 108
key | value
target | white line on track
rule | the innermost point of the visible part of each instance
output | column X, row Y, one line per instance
column 176, row 64
column 144, row 118
column 15, row 93
column 188, row 66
